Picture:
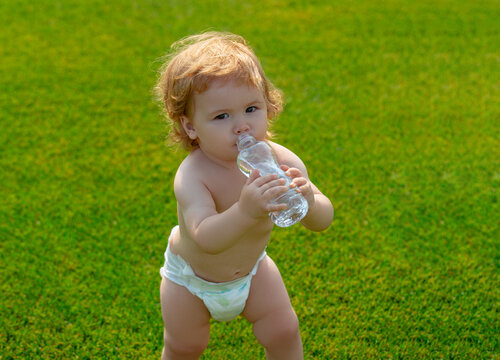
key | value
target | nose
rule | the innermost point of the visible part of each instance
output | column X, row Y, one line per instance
column 241, row 127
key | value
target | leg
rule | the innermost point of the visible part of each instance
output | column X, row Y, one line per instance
column 186, row 321
column 268, row 308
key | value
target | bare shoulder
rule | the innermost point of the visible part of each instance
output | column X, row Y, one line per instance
column 188, row 176
column 287, row 157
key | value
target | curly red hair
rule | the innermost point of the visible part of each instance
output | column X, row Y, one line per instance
column 198, row 60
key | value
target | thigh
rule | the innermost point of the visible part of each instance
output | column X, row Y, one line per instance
column 268, row 294
column 185, row 316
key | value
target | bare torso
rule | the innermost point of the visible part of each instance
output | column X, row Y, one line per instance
column 225, row 185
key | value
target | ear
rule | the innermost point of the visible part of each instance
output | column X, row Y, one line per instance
column 189, row 127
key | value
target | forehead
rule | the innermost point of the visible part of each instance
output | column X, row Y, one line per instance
column 223, row 92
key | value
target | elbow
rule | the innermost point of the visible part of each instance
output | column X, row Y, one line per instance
column 210, row 250
column 329, row 221
column 321, row 227
column 205, row 244
column 320, row 223
column 317, row 227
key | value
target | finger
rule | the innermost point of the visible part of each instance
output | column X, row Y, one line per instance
column 284, row 167
column 293, row 172
column 273, row 183
column 274, row 192
column 265, row 179
column 298, row 182
column 276, row 207
column 305, row 190
column 253, row 175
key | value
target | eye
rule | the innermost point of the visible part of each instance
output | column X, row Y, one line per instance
column 221, row 116
column 251, row 109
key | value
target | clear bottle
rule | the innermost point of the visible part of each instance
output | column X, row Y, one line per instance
column 258, row 155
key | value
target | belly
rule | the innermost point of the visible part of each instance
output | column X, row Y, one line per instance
column 236, row 262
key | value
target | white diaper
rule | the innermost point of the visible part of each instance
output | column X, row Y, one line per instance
column 224, row 301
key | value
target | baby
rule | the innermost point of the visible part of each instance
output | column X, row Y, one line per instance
column 214, row 89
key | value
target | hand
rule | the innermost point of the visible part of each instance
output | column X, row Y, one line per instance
column 259, row 191
column 300, row 183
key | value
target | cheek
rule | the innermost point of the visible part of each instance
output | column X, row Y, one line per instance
column 264, row 122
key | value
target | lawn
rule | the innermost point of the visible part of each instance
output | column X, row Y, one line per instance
column 394, row 107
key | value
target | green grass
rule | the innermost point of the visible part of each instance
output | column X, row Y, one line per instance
column 393, row 106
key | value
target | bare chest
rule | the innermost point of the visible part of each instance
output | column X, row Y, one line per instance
column 225, row 190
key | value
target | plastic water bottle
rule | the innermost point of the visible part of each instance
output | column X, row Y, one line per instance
column 258, row 155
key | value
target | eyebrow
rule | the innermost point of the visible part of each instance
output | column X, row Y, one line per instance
column 256, row 101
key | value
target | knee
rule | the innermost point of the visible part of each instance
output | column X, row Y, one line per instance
column 191, row 347
column 289, row 329
column 278, row 330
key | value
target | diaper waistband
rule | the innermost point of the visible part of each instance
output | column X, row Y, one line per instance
column 178, row 267
column 178, row 270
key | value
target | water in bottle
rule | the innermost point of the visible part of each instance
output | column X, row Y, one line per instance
column 258, row 155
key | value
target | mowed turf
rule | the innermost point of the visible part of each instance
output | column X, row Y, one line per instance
column 393, row 106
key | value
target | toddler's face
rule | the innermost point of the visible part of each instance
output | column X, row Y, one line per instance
column 224, row 111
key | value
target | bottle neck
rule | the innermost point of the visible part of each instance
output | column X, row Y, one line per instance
column 245, row 140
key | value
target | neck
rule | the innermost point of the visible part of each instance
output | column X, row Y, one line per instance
column 229, row 164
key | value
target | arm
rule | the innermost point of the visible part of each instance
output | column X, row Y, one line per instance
column 216, row 232
column 320, row 214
